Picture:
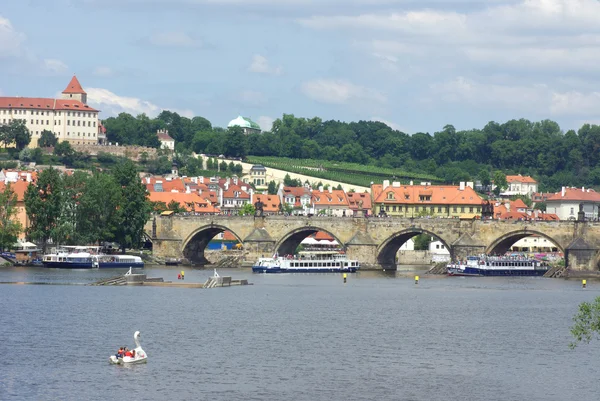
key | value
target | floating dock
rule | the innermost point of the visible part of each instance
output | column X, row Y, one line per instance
column 143, row 280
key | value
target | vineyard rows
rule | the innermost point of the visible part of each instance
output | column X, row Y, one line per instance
column 350, row 173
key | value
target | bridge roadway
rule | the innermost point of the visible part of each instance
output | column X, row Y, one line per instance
column 373, row 241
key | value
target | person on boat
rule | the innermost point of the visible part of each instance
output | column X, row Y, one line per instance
column 120, row 352
column 133, row 354
column 127, row 352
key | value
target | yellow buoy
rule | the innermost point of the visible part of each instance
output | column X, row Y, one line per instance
column 345, row 276
column 416, row 279
column 583, row 283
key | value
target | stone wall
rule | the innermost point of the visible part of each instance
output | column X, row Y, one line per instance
column 131, row 152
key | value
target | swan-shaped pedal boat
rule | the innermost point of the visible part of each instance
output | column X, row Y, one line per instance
column 140, row 354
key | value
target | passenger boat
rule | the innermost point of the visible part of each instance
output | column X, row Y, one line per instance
column 307, row 263
column 484, row 265
column 88, row 257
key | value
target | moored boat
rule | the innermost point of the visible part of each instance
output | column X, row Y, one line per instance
column 89, row 257
column 119, row 262
column 71, row 257
column 484, row 265
column 324, row 263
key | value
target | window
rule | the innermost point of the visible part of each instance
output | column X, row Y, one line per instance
column 78, row 123
column 399, row 208
column 462, row 209
column 68, row 122
column 571, row 210
column 36, row 121
column 32, row 121
column 390, row 195
column 393, row 208
column 439, row 209
column 471, row 210
column 69, row 114
column 454, row 209
column 47, row 122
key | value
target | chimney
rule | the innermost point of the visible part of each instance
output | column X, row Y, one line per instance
column 201, row 179
column 564, row 190
column 147, row 180
column 321, row 188
column 582, row 189
column 330, row 190
column 226, row 185
column 386, row 183
column 396, row 184
column 235, row 180
column 228, row 180
column 470, row 184
column 187, row 190
column 28, row 177
column 461, row 186
column 411, row 183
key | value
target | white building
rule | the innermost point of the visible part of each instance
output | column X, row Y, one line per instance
column 69, row 118
column 565, row 204
column 166, row 142
column 534, row 243
column 520, row 185
column 247, row 125
column 438, row 251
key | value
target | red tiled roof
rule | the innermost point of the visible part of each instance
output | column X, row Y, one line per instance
column 355, row 197
column 336, row 197
column 320, row 235
column 184, row 200
column 296, row 191
column 228, row 236
column 514, row 216
column 164, row 137
column 519, row 178
column 517, row 204
column 74, row 86
column 575, row 194
column 39, row 103
column 271, row 202
column 18, row 188
column 235, row 188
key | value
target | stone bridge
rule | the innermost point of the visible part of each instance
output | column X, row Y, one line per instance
column 373, row 241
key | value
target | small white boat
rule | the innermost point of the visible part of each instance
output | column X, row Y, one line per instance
column 140, row 354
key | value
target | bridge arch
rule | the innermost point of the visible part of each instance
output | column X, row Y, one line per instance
column 503, row 243
column 289, row 242
column 387, row 251
column 195, row 243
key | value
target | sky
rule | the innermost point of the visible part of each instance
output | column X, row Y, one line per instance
column 415, row 65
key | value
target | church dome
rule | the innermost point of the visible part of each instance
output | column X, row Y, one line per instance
column 244, row 123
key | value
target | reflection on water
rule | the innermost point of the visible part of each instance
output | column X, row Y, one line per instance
column 295, row 337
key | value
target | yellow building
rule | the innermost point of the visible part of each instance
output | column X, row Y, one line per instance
column 447, row 201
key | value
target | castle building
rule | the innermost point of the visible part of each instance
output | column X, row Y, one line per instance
column 69, row 118
column 247, row 125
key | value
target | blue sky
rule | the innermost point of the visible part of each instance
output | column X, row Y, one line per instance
column 416, row 65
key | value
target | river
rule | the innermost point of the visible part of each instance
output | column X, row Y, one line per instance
column 295, row 337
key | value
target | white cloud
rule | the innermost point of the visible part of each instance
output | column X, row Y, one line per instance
column 11, row 41
column 113, row 104
column 339, row 92
column 389, row 123
column 265, row 122
column 173, row 39
column 55, row 66
column 102, row 71
column 535, row 34
column 538, row 99
column 261, row 65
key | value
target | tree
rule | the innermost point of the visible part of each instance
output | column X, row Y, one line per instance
column 135, row 207
column 47, row 139
column 9, row 227
column 484, row 177
column 247, row 210
column 223, row 166
column 499, row 182
column 6, row 135
column 99, row 208
column 43, row 205
column 587, row 322
column 20, row 133
column 422, row 242
column 272, row 188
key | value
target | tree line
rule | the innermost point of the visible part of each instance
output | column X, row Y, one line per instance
column 86, row 208
column 540, row 149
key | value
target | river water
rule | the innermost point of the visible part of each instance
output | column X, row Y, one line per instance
column 295, row 337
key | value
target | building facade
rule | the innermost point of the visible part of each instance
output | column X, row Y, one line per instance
column 566, row 204
column 520, row 185
column 166, row 142
column 446, row 201
column 69, row 118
